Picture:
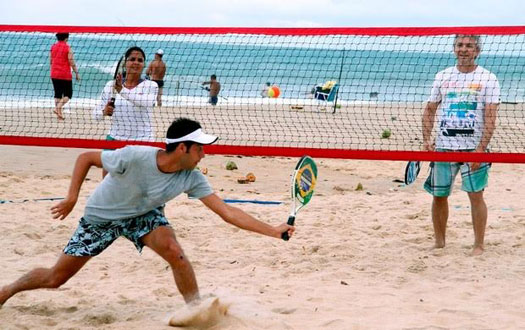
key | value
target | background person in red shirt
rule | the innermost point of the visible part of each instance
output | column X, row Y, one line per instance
column 62, row 62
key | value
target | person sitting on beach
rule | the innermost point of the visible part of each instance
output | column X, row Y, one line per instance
column 265, row 88
column 214, row 89
column 130, row 202
column 62, row 61
column 468, row 98
column 132, row 109
column 156, row 72
column 327, row 86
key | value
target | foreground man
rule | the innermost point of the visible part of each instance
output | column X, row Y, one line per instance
column 130, row 202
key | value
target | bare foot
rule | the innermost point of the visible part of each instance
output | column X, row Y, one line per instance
column 439, row 245
column 477, row 251
column 202, row 314
column 436, row 251
column 59, row 114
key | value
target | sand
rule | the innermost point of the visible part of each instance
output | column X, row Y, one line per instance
column 359, row 259
column 353, row 126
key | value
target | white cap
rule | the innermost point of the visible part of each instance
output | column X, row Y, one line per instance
column 160, row 52
column 196, row 136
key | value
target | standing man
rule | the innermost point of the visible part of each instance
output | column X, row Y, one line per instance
column 214, row 89
column 466, row 98
column 156, row 72
column 62, row 62
column 130, row 202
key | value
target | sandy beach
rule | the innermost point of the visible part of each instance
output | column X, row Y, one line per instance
column 360, row 259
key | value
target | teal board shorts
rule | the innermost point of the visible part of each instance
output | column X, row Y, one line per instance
column 91, row 239
column 110, row 138
column 442, row 175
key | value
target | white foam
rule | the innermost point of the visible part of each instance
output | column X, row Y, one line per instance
column 173, row 101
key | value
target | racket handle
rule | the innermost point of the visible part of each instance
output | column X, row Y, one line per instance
column 291, row 221
column 111, row 104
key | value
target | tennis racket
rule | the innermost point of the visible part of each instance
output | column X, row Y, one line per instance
column 304, row 179
column 412, row 171
column 119, row 70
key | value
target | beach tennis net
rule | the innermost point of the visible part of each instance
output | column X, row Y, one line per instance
column 328, row 92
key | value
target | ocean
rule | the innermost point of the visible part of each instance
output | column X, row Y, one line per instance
column 368, row 69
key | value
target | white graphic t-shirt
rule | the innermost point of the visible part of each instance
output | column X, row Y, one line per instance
column 463, row 98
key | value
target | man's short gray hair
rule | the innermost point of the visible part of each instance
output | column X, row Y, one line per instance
column 475, row 37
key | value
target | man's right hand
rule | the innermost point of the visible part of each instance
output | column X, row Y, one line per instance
column 284, row 228
column 62, row 209
column 427, row 146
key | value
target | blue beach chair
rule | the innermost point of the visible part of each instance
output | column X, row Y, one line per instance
column 326, row 96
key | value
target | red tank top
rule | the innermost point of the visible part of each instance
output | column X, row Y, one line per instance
column 59, row 61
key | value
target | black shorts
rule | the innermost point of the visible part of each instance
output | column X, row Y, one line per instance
column 63, row 88
column 160, row 83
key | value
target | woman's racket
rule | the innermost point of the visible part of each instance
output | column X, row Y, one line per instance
column 412, row 171
column 119, row 70
column 304, row 179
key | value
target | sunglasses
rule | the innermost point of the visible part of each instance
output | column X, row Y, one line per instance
column 135, row 59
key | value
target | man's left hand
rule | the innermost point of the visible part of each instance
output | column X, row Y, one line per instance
column 476, row 166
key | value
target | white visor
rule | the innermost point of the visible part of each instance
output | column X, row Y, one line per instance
column 195, row 136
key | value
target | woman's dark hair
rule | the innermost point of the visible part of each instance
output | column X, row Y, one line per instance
column 61, row 36
column 135, row 48
column 179, row 128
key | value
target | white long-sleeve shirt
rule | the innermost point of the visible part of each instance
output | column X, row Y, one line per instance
column 131, row 118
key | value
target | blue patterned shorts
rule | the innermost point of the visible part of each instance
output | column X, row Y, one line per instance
column 442, row 175
column 91, row 239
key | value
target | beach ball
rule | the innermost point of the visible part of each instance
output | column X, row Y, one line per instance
column 274, row 92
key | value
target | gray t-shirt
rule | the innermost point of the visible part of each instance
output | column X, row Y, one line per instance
column 134, row 185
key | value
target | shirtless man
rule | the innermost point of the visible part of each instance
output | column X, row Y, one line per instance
column 156, row 71
column 214, row 89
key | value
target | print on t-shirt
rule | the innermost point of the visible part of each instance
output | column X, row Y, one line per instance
column 460, row 113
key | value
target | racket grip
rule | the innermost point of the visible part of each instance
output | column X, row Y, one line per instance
column 112, row 102
column 291, row 221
